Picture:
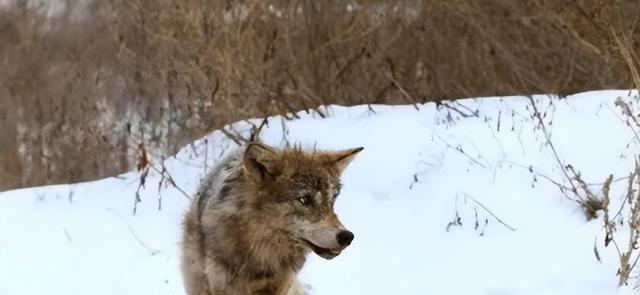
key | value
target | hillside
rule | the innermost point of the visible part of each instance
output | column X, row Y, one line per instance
column 462, row 198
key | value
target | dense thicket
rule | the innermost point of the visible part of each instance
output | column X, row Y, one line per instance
column 84, row 82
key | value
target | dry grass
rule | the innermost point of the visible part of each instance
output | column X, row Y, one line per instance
column 595, row 204
column 80, row 90
column 627, row 219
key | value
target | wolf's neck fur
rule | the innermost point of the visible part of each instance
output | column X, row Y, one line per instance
column 253, row 250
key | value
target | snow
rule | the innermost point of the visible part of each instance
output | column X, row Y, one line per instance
column 419, row 168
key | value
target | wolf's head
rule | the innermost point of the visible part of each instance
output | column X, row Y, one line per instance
column 296, row 190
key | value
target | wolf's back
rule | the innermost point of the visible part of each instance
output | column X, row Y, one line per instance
column 212, row 183
column 193, row 244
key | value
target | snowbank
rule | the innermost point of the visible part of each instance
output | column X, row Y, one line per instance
column 478, row 160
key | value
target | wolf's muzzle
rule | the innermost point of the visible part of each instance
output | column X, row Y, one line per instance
column 344, row 238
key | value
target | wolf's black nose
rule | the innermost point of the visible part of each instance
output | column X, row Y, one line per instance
column 344, row 238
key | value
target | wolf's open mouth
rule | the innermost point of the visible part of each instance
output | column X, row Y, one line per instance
column 323, row 252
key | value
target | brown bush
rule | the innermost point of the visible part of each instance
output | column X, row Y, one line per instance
column 80, row 88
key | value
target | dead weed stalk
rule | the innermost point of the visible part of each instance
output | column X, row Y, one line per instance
column 626, row 217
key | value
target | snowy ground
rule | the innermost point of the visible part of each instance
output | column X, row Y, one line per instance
column 418, row 170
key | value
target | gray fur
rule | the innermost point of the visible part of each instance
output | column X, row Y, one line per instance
column 250, row 227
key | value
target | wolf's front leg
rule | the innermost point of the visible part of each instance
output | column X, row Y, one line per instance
column 217, row 280
column 296, row 289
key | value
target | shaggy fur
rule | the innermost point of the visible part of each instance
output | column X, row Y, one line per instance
column 257, row 215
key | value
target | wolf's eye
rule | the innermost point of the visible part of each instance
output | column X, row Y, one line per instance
column 306, row 200
column 336, row 193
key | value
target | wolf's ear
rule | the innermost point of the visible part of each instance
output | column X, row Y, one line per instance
column 341, row 159
column 260, row 160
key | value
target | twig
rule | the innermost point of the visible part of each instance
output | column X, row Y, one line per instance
column 162, row 178
column 170, row 179
column 460, row 150
column 390, row 75
column 475, row 113
column 534, row 171
column 255, row 131
column 206, row 155
column 151, row 251
column 143, row 179
column 488, row 211
column 66, row 233
column 455, row 109
column 627, row 111
column 547, row 136
column 239, row 140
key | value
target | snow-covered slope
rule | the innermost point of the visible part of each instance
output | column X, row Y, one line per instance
column 420, row 171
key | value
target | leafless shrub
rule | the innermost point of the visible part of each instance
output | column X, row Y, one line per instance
column 626, row 218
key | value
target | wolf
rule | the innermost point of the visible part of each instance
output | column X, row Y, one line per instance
column 257, row 215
